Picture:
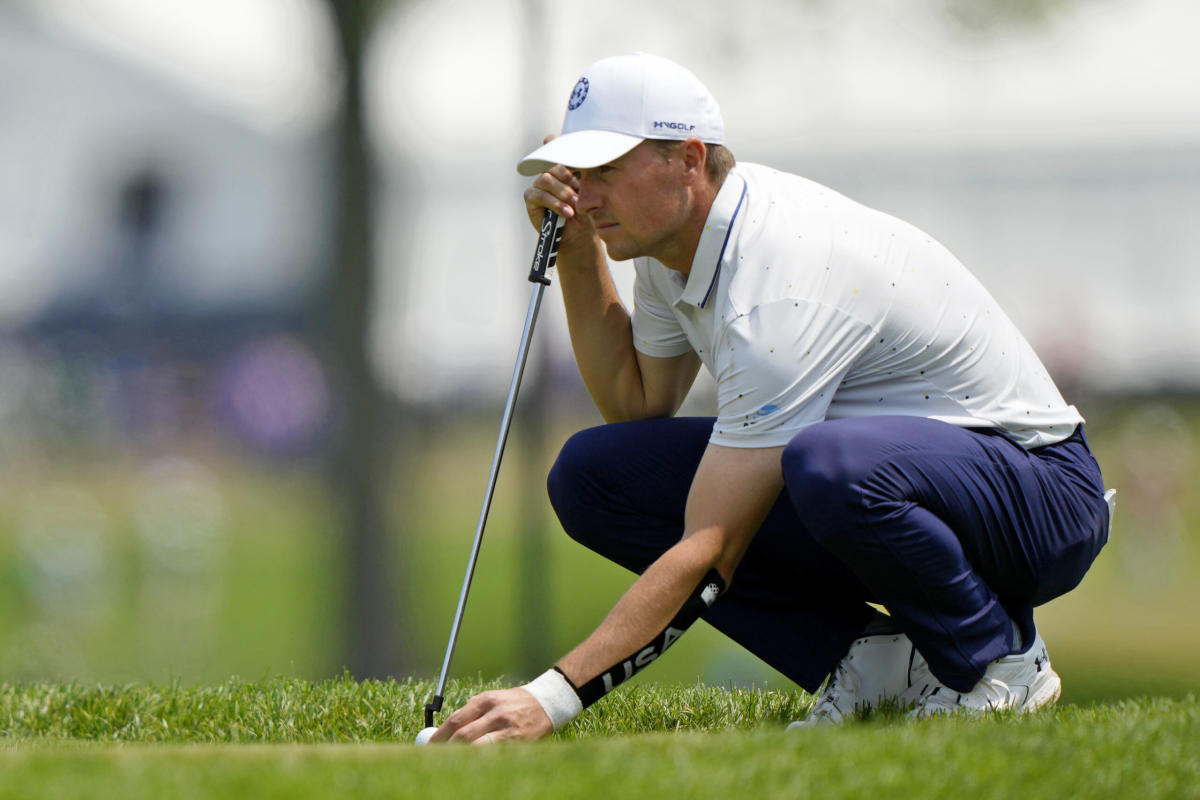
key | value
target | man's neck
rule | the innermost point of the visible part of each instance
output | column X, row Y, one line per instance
column 680, row 256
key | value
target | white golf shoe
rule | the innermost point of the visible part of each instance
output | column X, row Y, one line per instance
column 876, row 669
column 1022, row 682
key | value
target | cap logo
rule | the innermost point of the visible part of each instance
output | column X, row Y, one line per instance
column 578, row 94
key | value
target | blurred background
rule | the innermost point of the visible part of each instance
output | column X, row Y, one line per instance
column 262, row 279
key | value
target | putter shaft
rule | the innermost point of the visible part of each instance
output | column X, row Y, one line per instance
column 543, row 259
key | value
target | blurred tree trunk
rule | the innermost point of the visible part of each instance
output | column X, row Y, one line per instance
column 357, row 458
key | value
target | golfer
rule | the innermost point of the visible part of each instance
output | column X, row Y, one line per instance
column 884, row 436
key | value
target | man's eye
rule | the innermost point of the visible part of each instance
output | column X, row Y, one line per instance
column 606, row 168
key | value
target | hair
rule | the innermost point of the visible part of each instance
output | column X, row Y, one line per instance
column 717, row 164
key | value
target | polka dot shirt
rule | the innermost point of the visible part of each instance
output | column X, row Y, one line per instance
column 805, row 305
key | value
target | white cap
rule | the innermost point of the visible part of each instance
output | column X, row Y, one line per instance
column 621, row 101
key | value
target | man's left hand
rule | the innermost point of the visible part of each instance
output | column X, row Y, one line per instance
column 494, row 717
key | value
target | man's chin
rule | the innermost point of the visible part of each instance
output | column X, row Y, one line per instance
column 617, row 252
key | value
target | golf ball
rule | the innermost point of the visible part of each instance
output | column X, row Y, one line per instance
column 425, row 734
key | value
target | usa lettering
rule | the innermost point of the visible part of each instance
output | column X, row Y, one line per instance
column 644, row 658
column 610, row 684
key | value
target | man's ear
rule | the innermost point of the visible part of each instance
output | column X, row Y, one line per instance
column 694, row 155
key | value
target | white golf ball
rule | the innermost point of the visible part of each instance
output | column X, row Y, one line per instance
column 425, row 734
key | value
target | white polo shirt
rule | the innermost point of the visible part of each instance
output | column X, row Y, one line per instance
column 805, row 305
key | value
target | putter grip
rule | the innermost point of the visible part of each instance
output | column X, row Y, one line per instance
column 547, row 248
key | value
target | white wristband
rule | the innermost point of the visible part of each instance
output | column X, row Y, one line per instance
column 556, row 697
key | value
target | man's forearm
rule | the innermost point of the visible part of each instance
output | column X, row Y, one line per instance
column 643, row 612
column 602, row 340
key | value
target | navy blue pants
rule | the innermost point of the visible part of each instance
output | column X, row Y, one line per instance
column 958, row 533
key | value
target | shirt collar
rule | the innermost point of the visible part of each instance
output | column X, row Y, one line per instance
column 702, row 280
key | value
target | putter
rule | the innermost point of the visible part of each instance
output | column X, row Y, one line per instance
column 543, row 260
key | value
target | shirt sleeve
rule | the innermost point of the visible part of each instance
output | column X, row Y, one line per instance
column 778, row 368
column 656, row 330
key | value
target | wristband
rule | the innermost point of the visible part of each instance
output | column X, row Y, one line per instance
column 556, row 696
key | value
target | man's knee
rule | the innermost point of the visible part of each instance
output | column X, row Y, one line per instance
column 571, row 486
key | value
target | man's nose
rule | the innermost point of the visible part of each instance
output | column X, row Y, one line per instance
column 589, row 198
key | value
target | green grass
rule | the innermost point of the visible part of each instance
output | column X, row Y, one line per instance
column 341, row 738
column 295, row 711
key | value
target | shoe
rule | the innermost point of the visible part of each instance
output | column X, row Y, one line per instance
column 1022, row 682
column 879, row 668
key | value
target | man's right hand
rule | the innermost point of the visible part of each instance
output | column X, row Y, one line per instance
column 557, row 189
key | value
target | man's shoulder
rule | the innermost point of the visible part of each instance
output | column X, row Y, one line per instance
column 758, row 174
column 764, row 176
column 779, row 205
column 787, row 191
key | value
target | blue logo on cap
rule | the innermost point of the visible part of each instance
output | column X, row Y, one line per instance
column 578, row 94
